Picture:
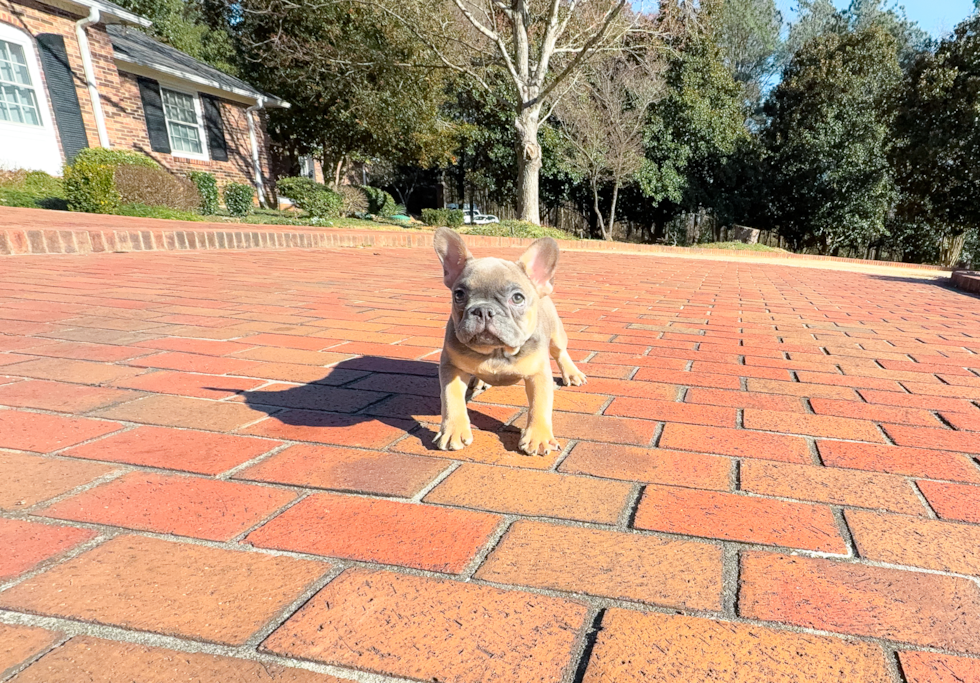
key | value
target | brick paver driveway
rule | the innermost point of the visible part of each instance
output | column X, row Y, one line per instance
column 216, row 467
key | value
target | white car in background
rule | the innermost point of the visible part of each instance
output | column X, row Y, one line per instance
column 474, row 217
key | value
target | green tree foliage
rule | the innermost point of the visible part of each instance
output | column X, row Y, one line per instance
column 828, row 139
column 486, row 157
column 819, row 17
column 748, row 35
column 358, row 82
column 937, row 155
column 185, row 25
column 693, row 131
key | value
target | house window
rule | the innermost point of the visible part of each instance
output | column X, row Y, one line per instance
column 183, row 113
column 18, row 103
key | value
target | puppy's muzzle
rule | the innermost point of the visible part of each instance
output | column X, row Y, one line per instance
column 479, row 317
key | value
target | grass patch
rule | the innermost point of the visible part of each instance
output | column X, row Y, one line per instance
column 522, row 229
column 278, row 217
column 166, row 213
column 736, row 246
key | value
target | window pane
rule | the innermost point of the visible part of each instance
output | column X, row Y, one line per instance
column 18, row 105
column 185, row 138
column 13, row 64
column 179, row 107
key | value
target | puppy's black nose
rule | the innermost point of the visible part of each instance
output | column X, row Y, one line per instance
column 482, row 312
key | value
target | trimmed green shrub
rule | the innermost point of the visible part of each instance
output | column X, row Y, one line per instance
column 238, row 199
column 114, row 157
column 89, row 181
column 452, row 218
column 324, row 204
column 155, row 187
column 90, row 186
column 434, row 217
column 207, row 187
column 317, row 200
column 380, row 203
column 296, row 189
column 355, row 200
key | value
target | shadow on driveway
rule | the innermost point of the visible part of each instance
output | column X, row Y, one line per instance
column 400, row 393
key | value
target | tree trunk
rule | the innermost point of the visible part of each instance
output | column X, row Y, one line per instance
column 528, row 165
column 950, row 248
column 340, row 167
column 598, row 213
column 612, row 210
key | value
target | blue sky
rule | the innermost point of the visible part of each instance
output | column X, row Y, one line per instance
column 938, row 17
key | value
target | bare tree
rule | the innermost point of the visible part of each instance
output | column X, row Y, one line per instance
column 603, row 121
column 543, row 45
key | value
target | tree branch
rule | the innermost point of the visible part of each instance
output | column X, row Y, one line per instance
column 586, row 49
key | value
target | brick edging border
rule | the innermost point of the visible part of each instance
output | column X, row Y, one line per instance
column 209, row 236
column 968, row 281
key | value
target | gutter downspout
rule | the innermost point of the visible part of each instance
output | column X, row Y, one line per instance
column 93, row 90
column 256, row 163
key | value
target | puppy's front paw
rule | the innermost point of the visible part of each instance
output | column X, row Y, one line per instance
column 574, row 378
column 538, row 441
column 453, row 436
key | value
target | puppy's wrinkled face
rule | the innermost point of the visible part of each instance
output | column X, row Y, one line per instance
column 495, row 302
column 494, row 306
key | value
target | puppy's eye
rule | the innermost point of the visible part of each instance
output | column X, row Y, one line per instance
column 518, row 298
column 459, row 296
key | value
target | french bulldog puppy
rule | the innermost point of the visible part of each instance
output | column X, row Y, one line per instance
column 502, row 330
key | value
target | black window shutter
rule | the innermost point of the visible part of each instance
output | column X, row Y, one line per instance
column 216, row 129
column 61, row 90
column 156, row 123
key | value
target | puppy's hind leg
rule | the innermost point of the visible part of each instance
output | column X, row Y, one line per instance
column 558, row 346
column 476, row 387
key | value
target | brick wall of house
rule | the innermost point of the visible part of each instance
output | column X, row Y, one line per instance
column 121, row 104
column 127, row 130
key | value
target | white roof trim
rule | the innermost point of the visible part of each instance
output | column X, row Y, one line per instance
column 140, row 68
column 108, row 11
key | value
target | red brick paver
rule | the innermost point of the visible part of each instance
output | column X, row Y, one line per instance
column 175, row 589
column 20, row 643
column 433, row 629
column 419, row 536
column 634, row 647
column 236, row 448
column 929, row 667
column 103, row 661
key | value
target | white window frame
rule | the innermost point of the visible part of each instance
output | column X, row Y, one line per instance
column 201, row 130
column 33, row 87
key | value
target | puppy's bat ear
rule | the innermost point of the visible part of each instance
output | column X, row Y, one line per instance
column 540, row 262
column 452, row 253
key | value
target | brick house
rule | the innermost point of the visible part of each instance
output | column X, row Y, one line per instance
column 79, row 73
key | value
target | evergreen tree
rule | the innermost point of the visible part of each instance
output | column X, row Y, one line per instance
column 693, row 131
column 828, row 139
column 937, row 155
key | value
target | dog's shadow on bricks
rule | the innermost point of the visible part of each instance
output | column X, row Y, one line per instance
column 403, row 394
